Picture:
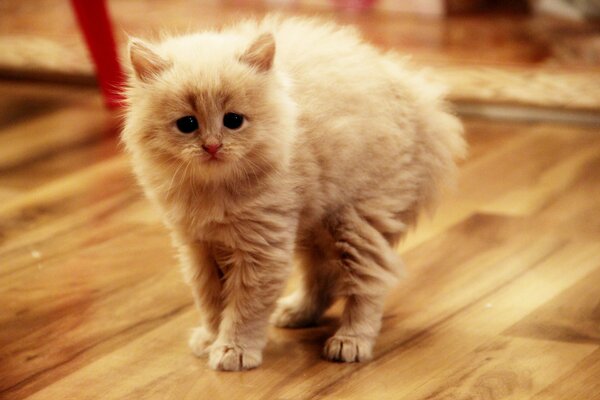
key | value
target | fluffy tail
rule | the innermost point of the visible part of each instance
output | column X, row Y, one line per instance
column 440, row 133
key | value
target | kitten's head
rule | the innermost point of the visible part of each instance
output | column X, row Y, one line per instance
column 213, row 105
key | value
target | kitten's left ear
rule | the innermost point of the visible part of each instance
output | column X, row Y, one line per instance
column 261, row 53
column 146, row 63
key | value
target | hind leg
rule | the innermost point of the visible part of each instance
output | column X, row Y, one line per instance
column 317, row 290
column 369, row 266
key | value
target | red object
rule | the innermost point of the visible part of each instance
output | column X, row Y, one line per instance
column 95, row 24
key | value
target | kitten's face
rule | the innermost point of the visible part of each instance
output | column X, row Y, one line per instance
column 203, row 105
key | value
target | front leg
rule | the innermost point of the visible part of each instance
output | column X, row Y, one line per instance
column 203, row 275
column 254, row 280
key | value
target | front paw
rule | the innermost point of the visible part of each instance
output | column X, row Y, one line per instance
column 200, row 340
column 344, row 348
column 230, row 357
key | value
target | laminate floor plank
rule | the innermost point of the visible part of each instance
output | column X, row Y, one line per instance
column 583, row 377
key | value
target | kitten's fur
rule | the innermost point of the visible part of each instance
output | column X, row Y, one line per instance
column 342, row 148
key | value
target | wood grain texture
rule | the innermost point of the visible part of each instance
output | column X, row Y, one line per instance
column 500, row 298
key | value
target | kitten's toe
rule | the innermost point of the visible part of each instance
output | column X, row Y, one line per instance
column 230, row 357
column 291, row 312
column 348, row 349
column 200, row 340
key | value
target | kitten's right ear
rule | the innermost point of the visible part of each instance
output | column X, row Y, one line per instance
column 261, row 53
column 145, row 61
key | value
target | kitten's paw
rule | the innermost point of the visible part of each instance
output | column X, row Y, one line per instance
column 292, row 312
column 229, row 357
column 200, row 340
column 348, row 349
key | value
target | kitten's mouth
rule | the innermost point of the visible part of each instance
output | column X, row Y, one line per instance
column 214, row 158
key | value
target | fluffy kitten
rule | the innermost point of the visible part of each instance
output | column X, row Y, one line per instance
column 277, row 138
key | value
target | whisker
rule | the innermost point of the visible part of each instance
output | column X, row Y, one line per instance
column 173, row 178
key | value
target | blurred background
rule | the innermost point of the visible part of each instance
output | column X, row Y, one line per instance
column 517, row 52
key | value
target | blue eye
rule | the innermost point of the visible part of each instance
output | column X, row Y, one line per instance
column 187, row 124
column 233, row 120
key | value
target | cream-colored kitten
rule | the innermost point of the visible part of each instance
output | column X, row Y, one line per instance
column 278, row 138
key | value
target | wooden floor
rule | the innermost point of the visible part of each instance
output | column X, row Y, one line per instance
column 501, row 298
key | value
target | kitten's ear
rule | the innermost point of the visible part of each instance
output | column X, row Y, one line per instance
column 261, row 52
column 146, row 63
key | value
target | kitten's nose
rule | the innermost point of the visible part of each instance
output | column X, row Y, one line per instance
column 212, row 149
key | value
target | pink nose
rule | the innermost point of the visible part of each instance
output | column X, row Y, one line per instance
column 211, row 149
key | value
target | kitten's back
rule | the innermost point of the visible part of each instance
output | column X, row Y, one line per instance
column 367, row 113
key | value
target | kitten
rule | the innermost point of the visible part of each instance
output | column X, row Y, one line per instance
column 283, row 137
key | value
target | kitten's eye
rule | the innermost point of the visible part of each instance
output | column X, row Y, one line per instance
column 187, row 124
column 233, row 120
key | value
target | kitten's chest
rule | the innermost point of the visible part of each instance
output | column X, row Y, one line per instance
column 197, row 214
column 205, row 216
column 231, row 218
column 193, row 209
